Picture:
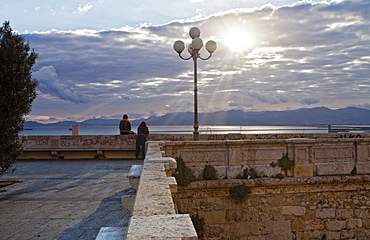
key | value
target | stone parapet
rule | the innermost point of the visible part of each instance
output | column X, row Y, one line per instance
column 312, row 157
column 154, row 214
column 123, row 146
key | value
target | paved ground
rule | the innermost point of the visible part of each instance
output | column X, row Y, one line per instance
column 64, row 199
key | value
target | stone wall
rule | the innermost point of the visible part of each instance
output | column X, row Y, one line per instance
column 312, row 157
column 128, row 141
column 325, row 207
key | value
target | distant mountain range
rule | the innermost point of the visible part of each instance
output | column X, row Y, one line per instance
column 300, row 117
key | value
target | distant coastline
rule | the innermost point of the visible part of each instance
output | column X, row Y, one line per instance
column 320, row 116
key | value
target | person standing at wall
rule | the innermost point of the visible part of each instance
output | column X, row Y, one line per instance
column 142, row 132
column 125, row 126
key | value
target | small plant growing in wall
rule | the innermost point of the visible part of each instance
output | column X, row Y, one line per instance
column 248, row 173
column 279, row 176
column 354, row 171
column 198, row 225
column 183, row 174
column 239, row 192
column 284, row 163
column 209, row 173
column 273, row 164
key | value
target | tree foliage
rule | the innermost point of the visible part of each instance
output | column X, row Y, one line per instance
column 17, row 92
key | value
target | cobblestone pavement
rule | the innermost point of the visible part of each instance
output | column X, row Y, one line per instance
column 64, row 199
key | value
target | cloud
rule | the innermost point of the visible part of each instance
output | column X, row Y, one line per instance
column 50, row 84
column 263, row 98
column 303, row 54
column 84, row 7
column 309, row 101
column 126, row 98
column 364, row 105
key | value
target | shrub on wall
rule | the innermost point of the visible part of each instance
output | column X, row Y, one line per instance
column 284, row 163
column 183, row 174
column 248, row 173
column 209, row 173
column 239, row 192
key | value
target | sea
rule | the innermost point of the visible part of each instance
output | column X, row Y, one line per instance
column 178, row 129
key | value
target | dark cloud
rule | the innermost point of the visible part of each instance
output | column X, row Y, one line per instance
column 309, row 101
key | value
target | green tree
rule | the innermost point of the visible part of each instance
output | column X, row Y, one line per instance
column 17, row 92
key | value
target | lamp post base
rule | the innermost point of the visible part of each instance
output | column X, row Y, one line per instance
column 196, row 135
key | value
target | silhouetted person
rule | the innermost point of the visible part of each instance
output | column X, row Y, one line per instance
column 125, row 126
column 142, row 132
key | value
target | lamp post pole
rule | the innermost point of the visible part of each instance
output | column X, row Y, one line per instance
column 193, row 49
column 196, row 125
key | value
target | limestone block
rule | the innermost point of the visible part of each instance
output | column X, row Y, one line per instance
column 174, row 226
column 293, row 210
column 200, row 155
column 354, row 223
column 315, row 224
column 362, row 213
column 344, row 213
column 363, row 167
column 298, row 225
column 335, row 225
column 304, row 170
column 334, row 168
column 216, row 217
column 325, row 213
column 333, row 153
column 262, row 154
column 366, row 224
column 302, row 155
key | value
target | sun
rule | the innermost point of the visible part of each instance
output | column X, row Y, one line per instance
column 238, row 40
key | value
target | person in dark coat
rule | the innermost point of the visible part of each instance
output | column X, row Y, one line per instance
column 142, row 132
column 125, row 126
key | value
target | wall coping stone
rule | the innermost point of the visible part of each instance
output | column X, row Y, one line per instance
column 271, row 182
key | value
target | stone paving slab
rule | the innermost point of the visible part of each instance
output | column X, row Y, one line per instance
column 64, row 199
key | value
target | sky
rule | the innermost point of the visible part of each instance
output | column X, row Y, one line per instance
column 104, row 58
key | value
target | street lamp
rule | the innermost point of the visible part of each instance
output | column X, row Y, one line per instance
column 193, row 49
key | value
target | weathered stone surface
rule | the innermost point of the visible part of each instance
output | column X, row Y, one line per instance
column 325, row 213
column 304, row 170
column 154, row 213
column 324, row 169
column 174, row 226
column 354, row 223
column 335, row 225
column 293, row 210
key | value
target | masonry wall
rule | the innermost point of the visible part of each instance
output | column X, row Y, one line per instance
column 325, row 207
column 312, row 157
